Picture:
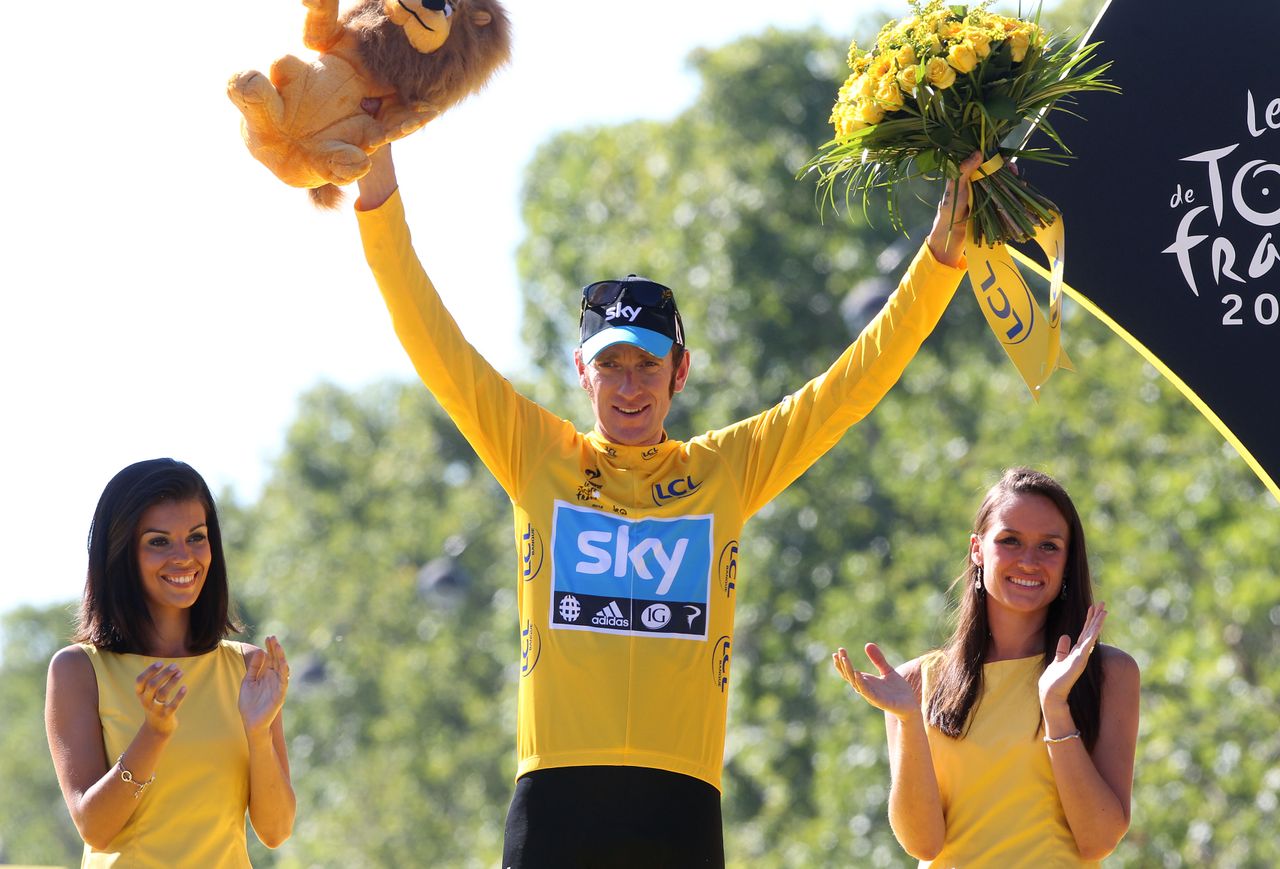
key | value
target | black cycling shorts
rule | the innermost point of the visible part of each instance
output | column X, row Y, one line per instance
column 612, row 816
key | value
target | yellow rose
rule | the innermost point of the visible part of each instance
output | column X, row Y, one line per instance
column 906, row 56
column 866, row 86
column 846, row 121
column 939, row 73
column 1018, row 44
column 980, row 41
column 888, row 94
column 962, row 57
column 880, row 67
column 908, row 78
column 948, row 30
column 869, row 113
column 931, row 44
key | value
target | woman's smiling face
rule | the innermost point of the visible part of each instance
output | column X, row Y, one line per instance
column 1022, row 552
column 173, row 553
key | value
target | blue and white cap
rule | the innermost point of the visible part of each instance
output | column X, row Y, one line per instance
column 631, row 310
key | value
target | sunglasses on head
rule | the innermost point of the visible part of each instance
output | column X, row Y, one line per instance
column 647, row 293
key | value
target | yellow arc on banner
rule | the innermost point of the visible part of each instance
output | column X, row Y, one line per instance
column 1031, row 339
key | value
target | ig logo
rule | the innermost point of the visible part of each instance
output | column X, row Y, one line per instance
column 656, row 616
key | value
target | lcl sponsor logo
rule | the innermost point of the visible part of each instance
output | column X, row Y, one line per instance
column 1009, row 299
column 532, row 552
column 530, row 647
column 727, row 569
column 681, row 487
column 720, row 663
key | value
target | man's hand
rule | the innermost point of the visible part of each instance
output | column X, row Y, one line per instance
column 377, row 185
column 947, row 238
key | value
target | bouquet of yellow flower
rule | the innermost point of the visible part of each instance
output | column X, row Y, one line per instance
column 942, row 83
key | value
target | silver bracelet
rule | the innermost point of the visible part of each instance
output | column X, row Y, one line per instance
column 127, row 777
column 1052, row 740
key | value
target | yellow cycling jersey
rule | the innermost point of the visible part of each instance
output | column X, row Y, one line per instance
column 627, row 556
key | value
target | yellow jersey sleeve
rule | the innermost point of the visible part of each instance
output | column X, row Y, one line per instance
column 773, row 448
column 508, row 431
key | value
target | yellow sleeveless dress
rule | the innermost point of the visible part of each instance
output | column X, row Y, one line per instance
column 193, row 814
column 999, row 798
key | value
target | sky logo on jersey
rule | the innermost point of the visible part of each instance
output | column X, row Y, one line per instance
column 632, row 575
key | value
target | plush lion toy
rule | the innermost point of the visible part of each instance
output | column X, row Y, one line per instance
column 404, row 60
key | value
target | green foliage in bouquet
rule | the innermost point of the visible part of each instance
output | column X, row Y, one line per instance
column 942, row 83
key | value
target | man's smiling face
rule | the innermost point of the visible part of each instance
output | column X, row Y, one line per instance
column 631, row 391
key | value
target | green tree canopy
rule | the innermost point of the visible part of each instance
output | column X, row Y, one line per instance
column 381, row 551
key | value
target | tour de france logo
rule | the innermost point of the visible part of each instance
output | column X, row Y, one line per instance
column 1225, row 217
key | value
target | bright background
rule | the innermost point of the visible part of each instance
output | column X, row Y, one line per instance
column 161, row 293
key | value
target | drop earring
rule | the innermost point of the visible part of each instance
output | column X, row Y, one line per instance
column 1063, row 595
column 977, row 583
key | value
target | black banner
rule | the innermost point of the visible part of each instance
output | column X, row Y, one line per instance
column 1172, row 205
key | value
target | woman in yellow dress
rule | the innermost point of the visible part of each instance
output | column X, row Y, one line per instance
column 1012, row 745
column 163, row 732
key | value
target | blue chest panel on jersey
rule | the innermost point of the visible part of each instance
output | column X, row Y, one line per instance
column 615, row 575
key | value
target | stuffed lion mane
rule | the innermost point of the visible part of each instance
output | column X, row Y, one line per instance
column 385, row 69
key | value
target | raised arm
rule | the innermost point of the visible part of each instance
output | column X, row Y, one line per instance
column 377, row 185
column 773, row 448
column 98, row 796
column 271, row 800
column 1095, row 786
column 915, row 803
column 508, row 431
column 947, row 237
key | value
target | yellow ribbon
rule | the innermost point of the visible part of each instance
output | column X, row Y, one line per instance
column 1031, row 339
column 987, row 168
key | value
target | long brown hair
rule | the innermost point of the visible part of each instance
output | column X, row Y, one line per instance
column 113, row 612
column 957, row 686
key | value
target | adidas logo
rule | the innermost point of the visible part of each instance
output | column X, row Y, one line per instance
column 611, row 616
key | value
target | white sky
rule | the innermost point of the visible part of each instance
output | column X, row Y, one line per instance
column 161, row 293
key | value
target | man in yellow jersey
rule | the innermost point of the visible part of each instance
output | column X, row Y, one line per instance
column 626, row 540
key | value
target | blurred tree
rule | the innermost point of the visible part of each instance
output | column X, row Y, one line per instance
column 34, row 825
column 381, row 552
column 865, row 544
